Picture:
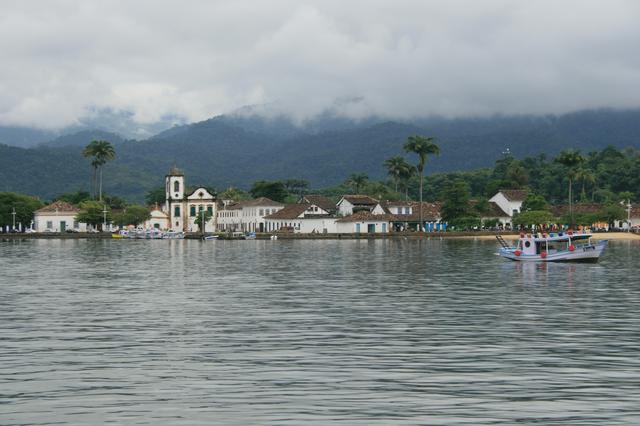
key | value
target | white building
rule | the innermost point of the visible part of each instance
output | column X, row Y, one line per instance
column 509, row 200
column 158, row 220
column 304, row 218
column 365, row 222
column 350, row 203
column 247, row 216
column 183, row 209
column 59, row 216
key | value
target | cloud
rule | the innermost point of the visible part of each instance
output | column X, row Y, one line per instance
column 196, row 59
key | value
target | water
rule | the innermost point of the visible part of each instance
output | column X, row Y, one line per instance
column 314, row 332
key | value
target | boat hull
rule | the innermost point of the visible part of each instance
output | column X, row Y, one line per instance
column 588, row 254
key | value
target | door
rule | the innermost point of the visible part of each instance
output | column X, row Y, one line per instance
column 63, row 226
column 357, row 228
column 371, row 228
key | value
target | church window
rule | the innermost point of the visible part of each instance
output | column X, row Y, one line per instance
column 176, row 186
column 176, row 211
column 192, row 211
column 210, row 210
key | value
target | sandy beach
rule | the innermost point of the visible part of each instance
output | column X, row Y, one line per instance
column 618, row 236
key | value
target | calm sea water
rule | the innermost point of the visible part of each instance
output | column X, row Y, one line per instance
column 314, row 332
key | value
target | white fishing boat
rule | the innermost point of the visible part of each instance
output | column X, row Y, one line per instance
column 174, row 235
column 553, row 247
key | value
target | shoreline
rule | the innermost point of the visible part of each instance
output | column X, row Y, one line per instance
column 618, row 236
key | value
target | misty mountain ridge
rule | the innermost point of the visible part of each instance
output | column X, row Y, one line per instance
column 239, row 149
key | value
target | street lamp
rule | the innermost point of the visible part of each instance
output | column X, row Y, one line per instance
column 104, row 218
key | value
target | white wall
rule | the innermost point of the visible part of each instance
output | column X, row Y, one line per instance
column 41, row 222
column 507, row 206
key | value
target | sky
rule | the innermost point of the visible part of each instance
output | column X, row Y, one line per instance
column 190, row 60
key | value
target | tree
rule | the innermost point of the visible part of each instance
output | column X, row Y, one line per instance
column 406, row 177
column 397, row 168
column 516, row 175
column 571, row 159
column 133, row 214
column 93, row 213
column 203, row 215
column 101, row 152
column 274, row 190
column 234, row 194
column 456, row 201
column 585, row 175
column 423, row 147
column 74, row 197
column 534, row 202
column 357, row 181
column 155, row 196
column 297, row 187
column 24, row 206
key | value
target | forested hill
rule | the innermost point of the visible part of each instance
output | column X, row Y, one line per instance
column 230, row 150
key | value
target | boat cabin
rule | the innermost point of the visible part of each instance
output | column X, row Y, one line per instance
column 545, row 244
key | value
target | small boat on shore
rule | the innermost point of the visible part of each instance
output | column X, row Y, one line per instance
column 553, row 247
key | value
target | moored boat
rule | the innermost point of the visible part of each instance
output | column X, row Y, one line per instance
column 554, row 247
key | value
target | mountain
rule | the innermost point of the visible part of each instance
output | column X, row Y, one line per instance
column 240, row 149
column 83, row 137
column 24, row 136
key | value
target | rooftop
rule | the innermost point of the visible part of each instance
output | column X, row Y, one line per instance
column 59, row 206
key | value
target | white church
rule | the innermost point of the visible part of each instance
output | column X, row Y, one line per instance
column 181, row 210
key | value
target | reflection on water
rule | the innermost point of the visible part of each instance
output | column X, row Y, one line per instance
column 290, row 332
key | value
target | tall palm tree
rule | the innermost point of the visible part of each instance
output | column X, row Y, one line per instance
column 571, row 159
column 423, row 146
column 397, row 167
column 585, row 175
column 357, row 181
column 405, row 179
column 101, row 153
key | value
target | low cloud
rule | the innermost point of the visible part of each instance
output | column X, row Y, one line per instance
column 196, row 59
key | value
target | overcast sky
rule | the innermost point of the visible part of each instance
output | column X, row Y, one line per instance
column 196, row 59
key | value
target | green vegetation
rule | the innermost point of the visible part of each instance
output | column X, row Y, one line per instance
column 100, row 152
column 94, row 213
column 356, row 181
column 274, row 190
column 423, row 147
column 24, row 206
column 203, row 215
column 132, row 215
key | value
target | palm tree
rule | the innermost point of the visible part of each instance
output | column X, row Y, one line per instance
column 585, row 175
column 397, row 167
column 405, row 178
column 101, row 152
column 357, row 181
column 571, row 159
column 423, row 146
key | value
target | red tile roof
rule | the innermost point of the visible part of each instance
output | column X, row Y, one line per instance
column 360, row 200
column 323, row 202
column 59, row 206
column 291, row 211
column 514, row 194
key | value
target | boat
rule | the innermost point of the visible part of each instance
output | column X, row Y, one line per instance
column 250, row 236
column 553, row 247
column 173, row 235
column 209, row 237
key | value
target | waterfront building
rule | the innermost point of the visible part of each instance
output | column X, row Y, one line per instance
column 349, row 204
column 182, row 208
column 306, row 218
column 158, row 219
column 59, row 216
column 406, row 215
column 246, row 216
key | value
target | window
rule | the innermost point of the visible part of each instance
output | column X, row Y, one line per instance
column 210, row 210
column 192, row 211
column 76, row 225
column 49, row 224
column 176, row 186
column 261, row 212
column 176, row 211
